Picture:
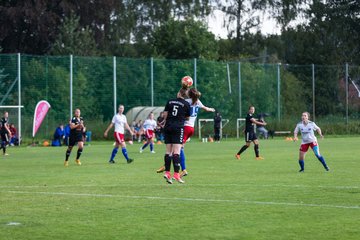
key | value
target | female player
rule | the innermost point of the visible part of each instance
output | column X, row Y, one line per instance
column 307, row 128
column 149, row 127
column 5, row 132
column 250, row 135
column 175, row 113
column 120, row 122
column 189, row 125
column 77, row 129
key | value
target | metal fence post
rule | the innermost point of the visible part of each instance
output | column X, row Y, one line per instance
column 19, row 96
column 114, row 83
column 152, row 80
column 278, row 89
column 228, row 76
column 195, row 76
column 347, row 93
column 240, row 96
column 313, row 89
column 71, row 85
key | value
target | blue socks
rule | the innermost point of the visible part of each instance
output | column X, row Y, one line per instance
column 301, row 163
column 182, row 159
column 115, row 151
column 113, row 154
column 322, row 160
column 144, row 146
column 124, row 152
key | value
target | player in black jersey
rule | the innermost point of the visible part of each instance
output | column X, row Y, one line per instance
column 250, row 135
column 4, row 132
column 77, row 129
column 176, row 112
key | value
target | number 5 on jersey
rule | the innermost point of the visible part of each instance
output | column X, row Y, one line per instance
column 175, row 110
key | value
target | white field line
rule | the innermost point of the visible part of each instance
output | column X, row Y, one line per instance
column 189, row 199
column 189, row 185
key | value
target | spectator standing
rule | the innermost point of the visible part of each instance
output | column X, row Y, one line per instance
column 160, row 127
column 59, row 135
column 14, row 140
column 217, row 126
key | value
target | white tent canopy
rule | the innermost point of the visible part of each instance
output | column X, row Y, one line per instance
column 142, row 113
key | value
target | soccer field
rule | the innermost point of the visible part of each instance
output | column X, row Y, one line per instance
column 223, row 198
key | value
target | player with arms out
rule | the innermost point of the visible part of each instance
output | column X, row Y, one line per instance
column 5, row 132
column 250, row 135
column 120, row 122
column 307, row 128
column 192, row 97
column 175, row 113
column 149, row 127
column 189, row 125
column 77, row 129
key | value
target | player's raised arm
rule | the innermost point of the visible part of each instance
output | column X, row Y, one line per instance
column 208, row 109
column 253, row 120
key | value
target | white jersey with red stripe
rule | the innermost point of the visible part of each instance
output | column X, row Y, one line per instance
column 119, row 122
column 194, row 109
column 307, row 132
column 149, row 124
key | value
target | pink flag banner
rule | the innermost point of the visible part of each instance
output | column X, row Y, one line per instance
column 41, row 110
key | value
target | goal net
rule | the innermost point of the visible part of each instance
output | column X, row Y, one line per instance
column 356, row 87
column 202, row 122
column 14, row 117
column 240, row 122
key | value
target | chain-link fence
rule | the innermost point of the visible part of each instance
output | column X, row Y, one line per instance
column 97, row 85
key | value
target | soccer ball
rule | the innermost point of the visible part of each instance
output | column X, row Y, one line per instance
column 187, row 81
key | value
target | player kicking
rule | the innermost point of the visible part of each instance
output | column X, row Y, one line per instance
column 77, row 129
column 149, row 127
column 250, row 135
column 120, row 122
column 175, row 113
column 307, row 128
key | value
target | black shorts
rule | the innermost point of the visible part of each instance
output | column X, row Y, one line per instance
column 74, row 138
column 4, row 137
column 250, row 136
column 174, row 135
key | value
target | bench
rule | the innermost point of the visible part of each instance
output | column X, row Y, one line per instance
column 273, row 133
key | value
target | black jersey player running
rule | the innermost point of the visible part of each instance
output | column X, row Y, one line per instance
column 4, row 132
column 77, row 129
column 175, row 113
column 250, row 135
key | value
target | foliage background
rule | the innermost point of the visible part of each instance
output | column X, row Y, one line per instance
column 174, row 33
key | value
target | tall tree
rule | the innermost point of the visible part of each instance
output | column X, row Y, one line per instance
column 185, row 40
column 241, row 14
column 32, row 26
column 336, row 26
column 74, row 39
column 153, row 13
column 287, row 11
column 28, row 26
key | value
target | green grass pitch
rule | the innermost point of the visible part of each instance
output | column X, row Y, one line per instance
column 223, row 198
